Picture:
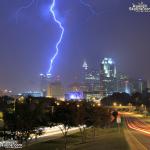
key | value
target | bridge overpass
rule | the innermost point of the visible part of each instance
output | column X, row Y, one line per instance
column 129, row 108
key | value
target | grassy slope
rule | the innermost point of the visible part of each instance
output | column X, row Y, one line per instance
column 110, row 139
column 106, row 139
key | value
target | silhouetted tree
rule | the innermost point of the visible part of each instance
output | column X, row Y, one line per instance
column 64, row 116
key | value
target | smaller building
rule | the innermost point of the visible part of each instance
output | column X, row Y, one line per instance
column 32, row 93
column 78, row 95
column 56, row 90
column 138, row 85
column 92, row 96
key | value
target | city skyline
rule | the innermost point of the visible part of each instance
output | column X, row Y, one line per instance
column 27, row 46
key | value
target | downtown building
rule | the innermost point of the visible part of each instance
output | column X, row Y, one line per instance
column 87, row 88
column 138, row 85
column 45, row 80
column 111, row 80
column 108, row 77
column 123, row 83
column 90, row 82
column 98, row 83
column 52, row 86
column 130, row 85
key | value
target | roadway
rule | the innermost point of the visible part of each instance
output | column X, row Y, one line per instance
column 51, row 134
column 139, row 130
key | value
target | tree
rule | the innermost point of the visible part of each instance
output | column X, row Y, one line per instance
column 120, row 98
column 80, row 118
column 92, row 116
column 63, row 116
column 29, row 115
column 96, row 117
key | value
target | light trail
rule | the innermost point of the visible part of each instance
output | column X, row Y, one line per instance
column 50, row 132
column 60, row 38
column 138, row 125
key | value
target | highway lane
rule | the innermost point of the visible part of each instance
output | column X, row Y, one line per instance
column 51, row 134
column 139, row 129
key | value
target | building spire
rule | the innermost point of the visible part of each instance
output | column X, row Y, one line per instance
column 85, row 66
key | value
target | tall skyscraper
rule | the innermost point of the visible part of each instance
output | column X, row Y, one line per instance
column 91, row 78
column 113, row 81
column 85, row 66
column 45, row 79
column 90, row 82
column 138, row 85
column 123, row 83
column 108, row 83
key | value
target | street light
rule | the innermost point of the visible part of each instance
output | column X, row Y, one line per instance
column 98, row 104
column 114, row 104
column 57, row 104
column 78, row 105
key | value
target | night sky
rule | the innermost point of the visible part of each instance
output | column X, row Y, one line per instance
column 27, row 45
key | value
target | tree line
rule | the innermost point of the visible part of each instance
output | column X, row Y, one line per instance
column 136, row 99
column 24, row 116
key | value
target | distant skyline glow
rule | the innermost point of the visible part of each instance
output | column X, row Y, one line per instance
column 56, row 36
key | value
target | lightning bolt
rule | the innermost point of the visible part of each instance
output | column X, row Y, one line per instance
column 23, row 7
column 89, row 7
column 60, row 38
